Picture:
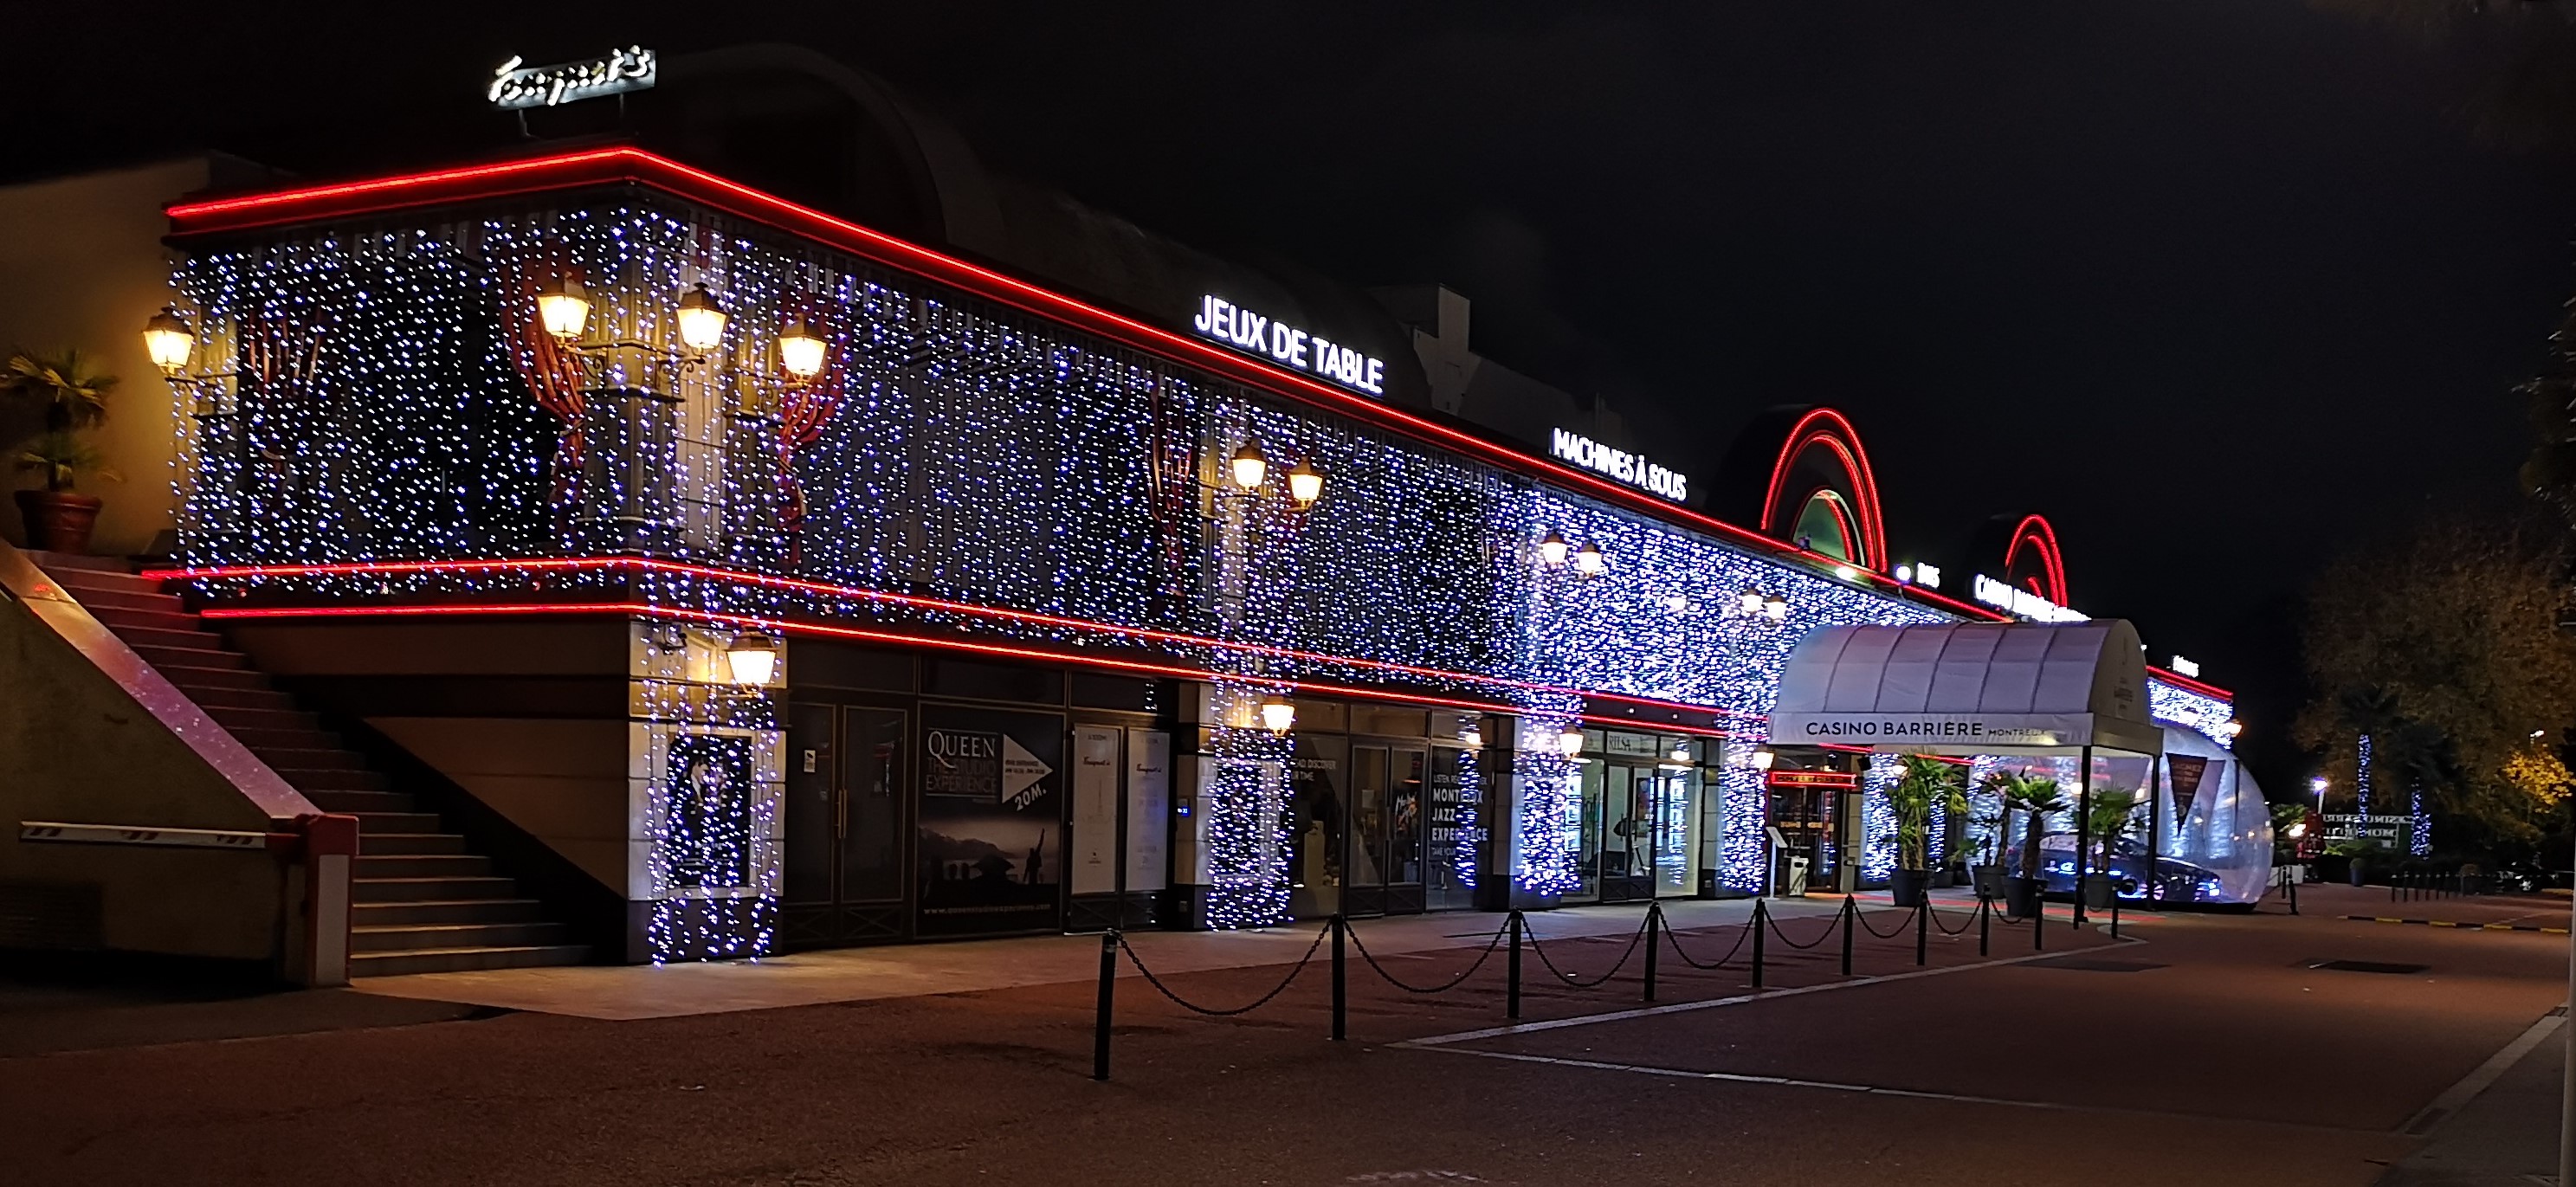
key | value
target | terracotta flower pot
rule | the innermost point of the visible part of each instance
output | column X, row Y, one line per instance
column 58, row 521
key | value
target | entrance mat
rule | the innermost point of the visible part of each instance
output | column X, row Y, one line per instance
column 2366, row 966
column 2095, row 964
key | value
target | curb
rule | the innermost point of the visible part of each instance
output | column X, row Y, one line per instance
column 2552, row 931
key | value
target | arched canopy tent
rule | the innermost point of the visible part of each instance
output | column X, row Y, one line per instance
column 1987, row 689
column 1969, row 688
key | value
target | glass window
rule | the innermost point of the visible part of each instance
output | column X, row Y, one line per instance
column 1370, row 810
column 1404, row 834
column 1587, row 832
column 1315, row 826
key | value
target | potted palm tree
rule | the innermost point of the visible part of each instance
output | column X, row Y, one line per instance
column 2106, row 818
column 72, row 398
column 1985, row 857
column 1925, row 781
column 2037, row 797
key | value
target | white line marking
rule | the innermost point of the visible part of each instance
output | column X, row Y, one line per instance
column 2479, row 1078
column 1737, row 1000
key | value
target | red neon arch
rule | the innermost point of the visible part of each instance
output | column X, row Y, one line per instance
column 1829, row 430
column 2036, row 531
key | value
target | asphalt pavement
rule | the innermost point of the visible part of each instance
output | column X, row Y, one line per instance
column 2200, row 1049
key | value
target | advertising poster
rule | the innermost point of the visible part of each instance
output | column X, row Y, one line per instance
column 2187, row 773
column 991, row 846
column 706, row 824
column 1095, row 809
column 1149, row 808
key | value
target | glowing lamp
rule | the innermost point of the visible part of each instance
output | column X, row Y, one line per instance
column 1677, row 603
column 1570, row 742
column 1762, row 760
column 1846, row 572
column 1472, row 736
column 1305, row 484
column 1277, row 713
column 1776, row 608
column 1681, row 752
column 800, row 349
column 1904, row 574
column 2232, row 728
column 1552, row 549
column 564, row 308
column 169, row 339
column 752, row 658
column 1749, row 602
column 1249, row 467
column 702, row 321
column 1589, row 561
column 2317, row 785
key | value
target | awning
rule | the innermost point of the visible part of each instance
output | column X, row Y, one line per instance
column 1968, row 688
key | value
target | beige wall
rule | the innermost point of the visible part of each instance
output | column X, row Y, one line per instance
column 82, row 266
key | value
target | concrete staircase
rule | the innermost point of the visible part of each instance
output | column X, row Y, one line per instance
column 422, row 903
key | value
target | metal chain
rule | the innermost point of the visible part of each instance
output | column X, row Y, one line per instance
column 1596, row 982
column 1257, row 1003
column 1774, row 921
column 1452, row 983
column 1884, row 935
column 1963, row 927
column 1740, row 934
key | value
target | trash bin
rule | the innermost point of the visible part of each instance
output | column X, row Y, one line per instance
column 1708, row 884
column 1793, row 880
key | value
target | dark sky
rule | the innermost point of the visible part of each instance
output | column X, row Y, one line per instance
column 2218, row 285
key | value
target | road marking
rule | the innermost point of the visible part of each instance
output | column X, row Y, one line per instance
column 1881, row 1090
column 2485, row 1074
column 2546, row 931
column 1737, row 1000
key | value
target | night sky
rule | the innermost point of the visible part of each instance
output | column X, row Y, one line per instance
column 2221, row 286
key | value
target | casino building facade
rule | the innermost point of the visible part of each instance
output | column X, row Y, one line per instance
column 713, row 557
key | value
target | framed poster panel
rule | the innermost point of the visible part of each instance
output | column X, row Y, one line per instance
column 990, row 846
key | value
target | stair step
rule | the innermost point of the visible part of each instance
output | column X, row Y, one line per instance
column 420, row 865
column 203, row 658
column 191, row 679
column 381, row 844
column 144, row 636
column 120, row 618
column 255, row 719
column 109, row 599
column 456, row 960
column 357, row 801
column 434, row 911
column 243, row 698
column 432, row 937
column 325, row 779
column 289, row 759
column 82, row 561
column 414, row 890
column 371, row 824
column 81, row 581
column 284, row 739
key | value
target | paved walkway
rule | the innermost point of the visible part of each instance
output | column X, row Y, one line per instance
column 914, row 970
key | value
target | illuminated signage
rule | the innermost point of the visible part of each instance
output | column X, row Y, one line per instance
column 515, row 86
column 1288, row 346
column 1630, row 468
column 1918, row 573
column 2021, row 603
column 2184, row 667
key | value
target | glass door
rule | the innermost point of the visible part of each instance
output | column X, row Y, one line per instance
column 1453, row 831
column 843, row 843
column 1676, row 833
column 1372, row 805
column 1316, row 814
column 1406, row 774
column 1627, row 844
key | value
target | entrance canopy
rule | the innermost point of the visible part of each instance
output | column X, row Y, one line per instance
column 1969, row 688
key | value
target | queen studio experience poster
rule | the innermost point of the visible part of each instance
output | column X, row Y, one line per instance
column 992, row 822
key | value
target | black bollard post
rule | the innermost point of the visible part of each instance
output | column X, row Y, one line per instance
column 1341, row 1016
column 1654, row 925
column 1760, row 916
column 1512, row 971
column 1985, row 922
column 2294, row 891
column 2038, row 925
column 1100, row 1025
column 1851, row 909
column 1922, row 928
column 2115, row 912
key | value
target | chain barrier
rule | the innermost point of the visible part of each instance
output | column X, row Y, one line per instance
column 1451, row 983
column 1575, row 983
column 1257, row 1003
column 1720, row 962
column 1969, row 922
column 1884, row 935
column 1828, row 934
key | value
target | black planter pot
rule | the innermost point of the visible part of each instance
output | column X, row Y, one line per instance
column 2097, row 892
column 2360, row 872
column 2021, row 897
column 1989, row 881
column 1908, row 886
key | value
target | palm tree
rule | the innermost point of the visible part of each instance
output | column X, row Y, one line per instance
column 1925, row 782
column 2034, row 794
column 73, row 396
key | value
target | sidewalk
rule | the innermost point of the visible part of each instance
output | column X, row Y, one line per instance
column 2505, row 1136
column 914, row 970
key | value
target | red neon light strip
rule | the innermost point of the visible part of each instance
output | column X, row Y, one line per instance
column 641, row 610
column 632, row 164
column 1838, row 435
column 2186, row 683
column 386, row 568
column 2042, row 536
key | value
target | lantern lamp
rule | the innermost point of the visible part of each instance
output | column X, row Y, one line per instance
column 800, row 349
column 1749, row 603
column 1776, row 608
column 1552, row 549
column 169, row 339
column 1570, row 742
column 752, row 658
column 1277, row 713
column 702, row 320
column 1589, row 561
column 564, row 308
column 1249, row 467
column 1762, row 760
column 1305, row 484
